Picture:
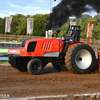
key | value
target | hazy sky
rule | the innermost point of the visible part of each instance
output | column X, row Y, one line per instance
column 27, row 7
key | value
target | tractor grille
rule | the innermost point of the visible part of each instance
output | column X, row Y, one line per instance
column 46, row 45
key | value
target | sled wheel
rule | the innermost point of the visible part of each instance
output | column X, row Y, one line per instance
column 80, row 59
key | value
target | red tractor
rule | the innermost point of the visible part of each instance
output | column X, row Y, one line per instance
column 65, row 54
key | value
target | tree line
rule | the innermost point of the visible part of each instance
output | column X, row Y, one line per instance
column 19, row 25
column 83, row 22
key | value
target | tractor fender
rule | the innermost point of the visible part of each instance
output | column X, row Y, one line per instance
column 75, row 43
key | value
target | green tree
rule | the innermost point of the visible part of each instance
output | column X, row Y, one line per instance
column 96, row 30
column 83, row 22
column 96, row 17
column 22, row 26
column 19, row 25
column 2, row 26
column 39, row 24
column 85, row 17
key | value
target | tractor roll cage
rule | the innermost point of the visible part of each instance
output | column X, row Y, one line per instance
column 73, row 33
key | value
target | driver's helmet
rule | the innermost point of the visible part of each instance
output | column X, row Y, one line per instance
column 70, row 32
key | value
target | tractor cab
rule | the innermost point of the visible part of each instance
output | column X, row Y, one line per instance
column 73, row 34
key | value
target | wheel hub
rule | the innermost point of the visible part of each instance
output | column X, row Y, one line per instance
column 35, row 67
column 80, row 58
column 83, row 59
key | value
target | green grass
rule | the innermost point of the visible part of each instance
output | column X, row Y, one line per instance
column 4, row 62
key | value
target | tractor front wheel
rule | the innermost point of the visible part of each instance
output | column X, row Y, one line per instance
column 80, row 59
column 35, row 66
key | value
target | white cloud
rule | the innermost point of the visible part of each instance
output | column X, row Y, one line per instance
column 14, row 6
column 91, row 13
column 11, row 12
column 35, row 10
column 30, row 8
column 37, row 7
column 28, row 12
column 39, row 12
column 2, row 15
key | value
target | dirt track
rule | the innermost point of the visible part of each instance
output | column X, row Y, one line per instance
column 50, row 82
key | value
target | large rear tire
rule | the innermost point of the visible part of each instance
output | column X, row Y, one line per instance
column 80, row 59
column 35, row 66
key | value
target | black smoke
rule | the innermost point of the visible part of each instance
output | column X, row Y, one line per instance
column 67, row 8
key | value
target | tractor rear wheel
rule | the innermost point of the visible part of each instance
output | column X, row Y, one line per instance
column 80, row 59
column 35, row 66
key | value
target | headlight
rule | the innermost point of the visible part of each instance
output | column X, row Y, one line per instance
column 23, row 50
